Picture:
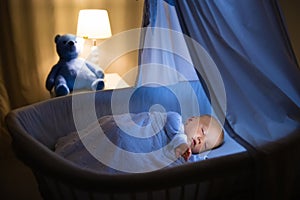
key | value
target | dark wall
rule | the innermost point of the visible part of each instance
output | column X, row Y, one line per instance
column 291, row 11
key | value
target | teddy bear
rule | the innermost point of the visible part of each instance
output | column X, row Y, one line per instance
column 72, row 73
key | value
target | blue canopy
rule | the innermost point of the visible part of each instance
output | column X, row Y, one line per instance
column 248, row 42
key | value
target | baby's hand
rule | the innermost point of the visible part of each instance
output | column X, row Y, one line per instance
column 184, row 151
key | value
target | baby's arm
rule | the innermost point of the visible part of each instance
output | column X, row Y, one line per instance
column 180, row 144
column 181, row 147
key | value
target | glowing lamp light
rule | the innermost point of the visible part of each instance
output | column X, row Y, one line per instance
column 93, row 24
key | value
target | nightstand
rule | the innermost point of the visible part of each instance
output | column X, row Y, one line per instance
column 114, row 81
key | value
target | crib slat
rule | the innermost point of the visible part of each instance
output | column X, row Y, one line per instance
column 197, row 191
column 44, row 187
column 100, row 196
column 174, row 193
column 190, row 191
column 159, row 195
column 141, row 196
column 91, row 196
column 122, row 196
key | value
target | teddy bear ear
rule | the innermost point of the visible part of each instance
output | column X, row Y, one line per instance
column 56, row 38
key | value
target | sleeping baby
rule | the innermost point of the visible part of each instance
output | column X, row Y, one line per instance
column 140, row 142
column 203, row 133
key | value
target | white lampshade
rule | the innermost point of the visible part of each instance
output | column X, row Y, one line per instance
column 93, row 24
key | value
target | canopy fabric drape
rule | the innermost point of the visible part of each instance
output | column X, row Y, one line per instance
column 249, row 44
column 162, row 61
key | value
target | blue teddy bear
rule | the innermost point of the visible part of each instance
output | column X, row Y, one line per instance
column 70, row 72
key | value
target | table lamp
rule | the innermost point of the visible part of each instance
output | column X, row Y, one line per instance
column 93, row 24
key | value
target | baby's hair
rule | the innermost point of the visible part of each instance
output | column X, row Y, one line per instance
column 220, row 140
column 221, row 136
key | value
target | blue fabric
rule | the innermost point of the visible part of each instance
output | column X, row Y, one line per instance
column 161, row 60
column 141, row 153
column 186, row 98
column 248, row 42
column 150, row 11
column 128, row 141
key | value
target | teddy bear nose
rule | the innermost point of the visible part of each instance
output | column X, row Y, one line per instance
column 71, row 43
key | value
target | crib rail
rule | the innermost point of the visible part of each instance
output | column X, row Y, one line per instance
column 210, row 189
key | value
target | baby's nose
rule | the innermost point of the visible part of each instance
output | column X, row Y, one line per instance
column 199, row 139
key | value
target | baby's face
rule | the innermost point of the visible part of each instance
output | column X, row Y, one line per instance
column 203, row 133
